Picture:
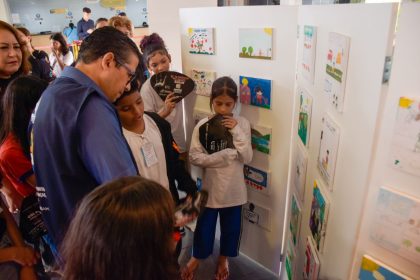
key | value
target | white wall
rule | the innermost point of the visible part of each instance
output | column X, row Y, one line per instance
column 164, row 20
column 4, row 11
column 404, row 81
column 370, row 28
column 27, row 11
column 257, row 243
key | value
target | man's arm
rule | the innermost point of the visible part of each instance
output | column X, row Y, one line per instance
column 102, row 147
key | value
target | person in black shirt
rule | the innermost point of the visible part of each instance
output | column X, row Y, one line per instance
column 39, row 59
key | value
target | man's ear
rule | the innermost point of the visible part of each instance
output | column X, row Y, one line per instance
column 108, row 60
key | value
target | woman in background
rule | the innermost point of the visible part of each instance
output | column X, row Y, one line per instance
column 60, row 55
column 13, row 63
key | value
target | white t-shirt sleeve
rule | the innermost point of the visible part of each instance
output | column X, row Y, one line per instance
column 68, row 58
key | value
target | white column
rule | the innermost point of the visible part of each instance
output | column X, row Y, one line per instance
column 4, row 11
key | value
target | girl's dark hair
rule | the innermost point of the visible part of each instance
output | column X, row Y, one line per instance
column 71, row 25
column 151, row 44
column 63, row 44
column 100, row 20
column 224, row 86
column 122, row 230
column 18, row 102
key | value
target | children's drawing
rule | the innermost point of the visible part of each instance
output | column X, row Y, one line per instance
column 309, row 53
column 305, row 112
column 256, row 179
column 319, row 216
column 295, row 218
column 198, row 115
column 204, row 80
column 261, row 138
column 311, row 261
column 336, row 69
column 300, row 163
column 372, row 269
column 257, row 215
column 254, row 91
column 256, row 43
column 201, row 40
column 328, row 150
column 290, row 260
column 405, row 149
column 396, row 226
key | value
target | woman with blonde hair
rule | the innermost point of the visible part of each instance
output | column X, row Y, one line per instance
column 123, row 24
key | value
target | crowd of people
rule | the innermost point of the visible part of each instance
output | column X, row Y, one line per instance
column 92, row 160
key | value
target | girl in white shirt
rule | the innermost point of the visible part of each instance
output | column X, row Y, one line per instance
column 60, row 55
column 157, row 59
column 223, row 178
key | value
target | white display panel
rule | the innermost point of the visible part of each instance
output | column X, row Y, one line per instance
column 259, row 244
column 404, row 82
column 369, row 29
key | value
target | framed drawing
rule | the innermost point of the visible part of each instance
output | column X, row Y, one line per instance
column 405, row 147
column 328, row 150
column 201, row 40
column 256, row 43
column 336, row 69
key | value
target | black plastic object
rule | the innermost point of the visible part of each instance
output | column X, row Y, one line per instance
column 214, row 136
column 169, row 81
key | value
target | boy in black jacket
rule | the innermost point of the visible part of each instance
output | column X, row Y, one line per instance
column 154, row 149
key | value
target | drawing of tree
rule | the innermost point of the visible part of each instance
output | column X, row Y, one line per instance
column 250, row 50
column 243, row 50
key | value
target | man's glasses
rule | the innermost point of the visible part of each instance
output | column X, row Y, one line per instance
column 131, row 74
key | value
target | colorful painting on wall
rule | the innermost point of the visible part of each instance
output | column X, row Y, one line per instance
column 372, row 269
column 328, row 150
column 405, row 149
column 201, row 40
column 256, row 43
column 204, row 80
column 257, row 215
column 309, row 53
column 311, row 264
column 255, row 91
column 300, row 163
column 305, row 113
column 290, row 260
column 256, row 179
column 396, row 226
column 295, row 218
column 336, row 69
column 261, row 138
column 319, row 216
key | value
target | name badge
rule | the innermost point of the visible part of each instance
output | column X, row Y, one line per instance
column 149, row 154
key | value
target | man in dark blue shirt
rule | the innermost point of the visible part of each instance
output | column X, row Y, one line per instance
column 77, row 135
column 85, row 26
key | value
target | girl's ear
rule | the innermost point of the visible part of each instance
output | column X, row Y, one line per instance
column 169, row 56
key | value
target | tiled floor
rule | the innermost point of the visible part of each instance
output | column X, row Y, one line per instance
column 241, row 268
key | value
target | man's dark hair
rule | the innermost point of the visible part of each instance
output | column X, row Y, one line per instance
column 101, row 19
column 122, row 14
column 104, row 40
column 87, row 10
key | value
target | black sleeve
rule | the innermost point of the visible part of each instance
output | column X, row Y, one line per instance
column 181, row 175
column 175, row 167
